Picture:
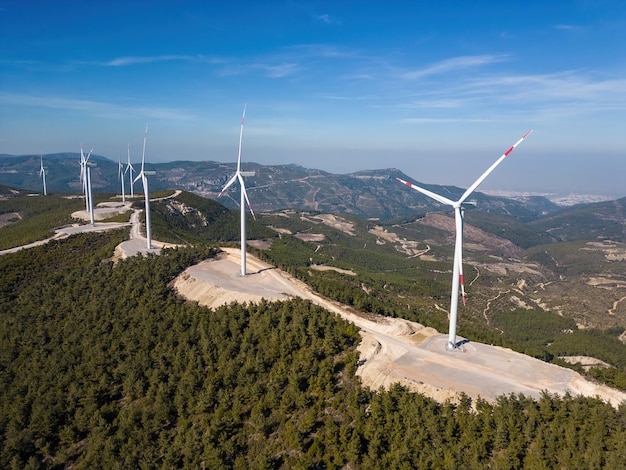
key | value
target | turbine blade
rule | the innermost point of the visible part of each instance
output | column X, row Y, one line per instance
column 243, row 116
column 130, row 165
column 245, row 194
column 82, row 164
column 436, row 197
column 143, row 154
column 471, row 189
column 140, row 175
column 230, row 181
column 463, row 296
column 460, row 234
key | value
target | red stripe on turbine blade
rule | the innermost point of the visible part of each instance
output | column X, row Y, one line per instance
column 527, row 134
column 461, row 278
column 509, row 151
column 464, row 300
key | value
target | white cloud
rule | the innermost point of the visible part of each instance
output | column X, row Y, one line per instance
column 95, row 108
column 278, row 71
column 270, row 70
column 326, row 18
column 454, row 63
column 442, row 120
column 123, row 61
column 134, row 60
column 568, row 27
column 558, row 87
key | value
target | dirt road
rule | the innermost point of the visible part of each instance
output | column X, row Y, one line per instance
column 395, row 350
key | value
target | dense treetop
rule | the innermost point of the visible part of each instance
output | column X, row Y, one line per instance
column 104, row 366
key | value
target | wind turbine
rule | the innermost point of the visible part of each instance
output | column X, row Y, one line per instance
column 457, row 270
column 120, row 175
column 243, row 198
column 144, row 180
column 85, row 175
column 42, row 173
column 131, row 169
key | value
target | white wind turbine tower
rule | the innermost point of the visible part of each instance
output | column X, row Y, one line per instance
column 144, row 180
column 131, row 169
column 42, row 173
column 85, row 175
column 457, row 270
column 120, row 175
column 244, row 197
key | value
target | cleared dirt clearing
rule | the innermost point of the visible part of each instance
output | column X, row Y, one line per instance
column 395, row 350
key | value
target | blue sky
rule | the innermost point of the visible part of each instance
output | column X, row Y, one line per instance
column 437, row 89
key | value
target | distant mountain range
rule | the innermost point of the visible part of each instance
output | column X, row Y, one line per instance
column 367, row 194
column 370, row 194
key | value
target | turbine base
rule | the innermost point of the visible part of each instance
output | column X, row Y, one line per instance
column 455, row 347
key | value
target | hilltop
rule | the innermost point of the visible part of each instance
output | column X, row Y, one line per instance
column 120, row 368
column 394, row 350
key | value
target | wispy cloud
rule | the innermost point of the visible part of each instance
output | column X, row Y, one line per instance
column 123, row 61
column 96, row 108
column 567, row 27
column 500, row 97
column 325, row 51
column 455, row 63
column 563, row 86
column 326, row 18
column 135, row 60
column 445, row 103
column 268, row 69
column 279, row 70
column 428, row 120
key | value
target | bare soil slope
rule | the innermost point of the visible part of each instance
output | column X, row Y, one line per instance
column 395, row 350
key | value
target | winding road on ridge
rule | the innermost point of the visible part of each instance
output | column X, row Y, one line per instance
column 392, row 349
column 132, row 247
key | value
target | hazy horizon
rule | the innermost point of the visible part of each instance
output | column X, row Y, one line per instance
column 553, row 193
column 437, row 90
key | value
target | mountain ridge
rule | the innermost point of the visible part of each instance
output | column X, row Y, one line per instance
column 365, row 193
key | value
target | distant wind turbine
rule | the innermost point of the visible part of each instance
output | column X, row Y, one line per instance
column 143, row 174
column 131, row 170
column 243, row 201
column 120, row 175
column 85, row 175
column 42, row 173
column 457, row 270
